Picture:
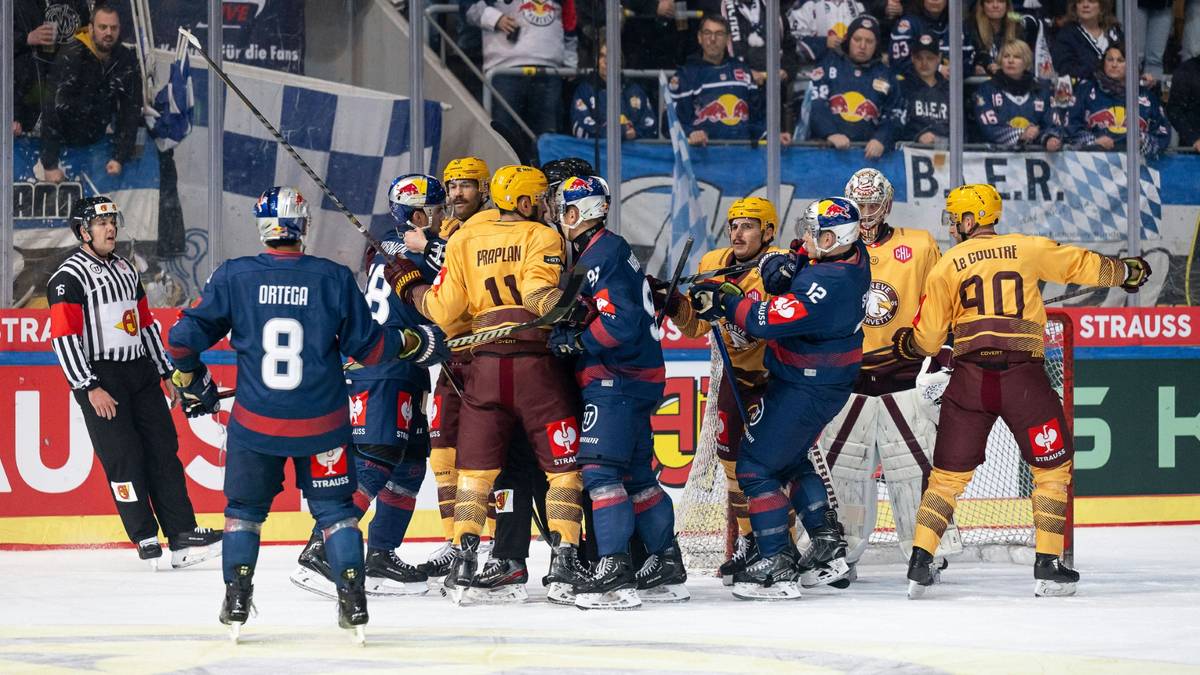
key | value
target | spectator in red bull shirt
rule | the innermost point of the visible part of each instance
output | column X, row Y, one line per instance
column 1098, row 117
column 856, row 98
column 1079, row 47
column 926, row 94
column 714, row 94
column 589, row 107
column 1013, row 108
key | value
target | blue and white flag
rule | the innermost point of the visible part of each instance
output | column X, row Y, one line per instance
column 171, row 119
column 687, row 218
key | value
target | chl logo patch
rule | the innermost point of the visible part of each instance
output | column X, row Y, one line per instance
column 404, row 411
column 328, row 463
column 358, row 409
column 435, row 422
column 1046, row 439
column 902, row 253
column 124, row 492
column 590, row 415
column 564, row 437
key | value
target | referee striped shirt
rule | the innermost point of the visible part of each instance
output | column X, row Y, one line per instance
column 99, row 312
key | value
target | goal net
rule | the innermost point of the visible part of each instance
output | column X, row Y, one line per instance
column 994, row 515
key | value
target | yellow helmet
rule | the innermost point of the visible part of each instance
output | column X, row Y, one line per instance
column 754, row 207
column 512, row 182
column 469, row 168
column 980, row 199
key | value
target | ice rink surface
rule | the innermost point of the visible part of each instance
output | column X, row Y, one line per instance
column 1137, row 610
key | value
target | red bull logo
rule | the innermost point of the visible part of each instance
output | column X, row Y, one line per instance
column 414, row 187
column 727, row 109
column 853, row 107
column 576, row 183
column 835, row 210
column 537, row 12
column 1112, row 120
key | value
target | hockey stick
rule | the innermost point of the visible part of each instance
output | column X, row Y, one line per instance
column 1075, row 294
column 724, row 271
column 822, row 469
column 195, row 42
column 727, row 367
column 561, row 310
column 683, row 258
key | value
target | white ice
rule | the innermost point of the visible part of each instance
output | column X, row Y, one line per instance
column 1137, row 610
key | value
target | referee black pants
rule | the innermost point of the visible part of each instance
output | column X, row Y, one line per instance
column 138, row 450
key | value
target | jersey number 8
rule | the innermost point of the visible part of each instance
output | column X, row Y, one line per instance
column 282, row 366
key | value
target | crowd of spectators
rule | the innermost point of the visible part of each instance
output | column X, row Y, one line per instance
column 1041, row 73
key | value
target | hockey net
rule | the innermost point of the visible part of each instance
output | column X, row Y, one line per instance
column 994, row 515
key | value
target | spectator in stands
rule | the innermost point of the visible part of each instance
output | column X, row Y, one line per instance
column 39, row 29
column 991, row 24
column 926, row 94
column 1013, row 108
column 524, row 34
column 855, row 97
column 94, row 83
column 1183, row 108
column 1098, row 117
column 589, row 108
column 1079, row 47
column 714, row 94
column 748, row 38
column 926, row 16
column 1154, row 18
column 817, row 26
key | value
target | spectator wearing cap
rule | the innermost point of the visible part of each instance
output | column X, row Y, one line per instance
column 926, row 94
column 1079, row 46
column 992, row 24
column 94, row 83
column 589, row 107
column 1013, row 108
column 1098, row 118
column 1183, row 108
column 714, row 94
column 925, row 16
column 855, row 97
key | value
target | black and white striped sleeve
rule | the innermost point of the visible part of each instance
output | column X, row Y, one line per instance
column 67, row 299
column 151, row 338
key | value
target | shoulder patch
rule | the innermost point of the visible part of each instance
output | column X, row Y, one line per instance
column 881, row 85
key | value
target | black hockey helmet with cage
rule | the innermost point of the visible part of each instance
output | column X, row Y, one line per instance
column 87, row 208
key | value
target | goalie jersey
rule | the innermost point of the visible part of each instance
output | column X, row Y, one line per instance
column 623, row 356
column 900, row 262
column 986, row 289
column 290, row 317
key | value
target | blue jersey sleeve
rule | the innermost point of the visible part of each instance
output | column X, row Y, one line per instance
column 797, row 312
column 619, row 303
column 203, row 324
column 583, row 122
column 682, row 90
column 821, row 123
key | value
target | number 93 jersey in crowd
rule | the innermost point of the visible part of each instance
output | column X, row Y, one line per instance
column 385, row 399
column 290, row 317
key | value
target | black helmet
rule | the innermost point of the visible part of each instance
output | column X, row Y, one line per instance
column 559, row 170
column 87, row 208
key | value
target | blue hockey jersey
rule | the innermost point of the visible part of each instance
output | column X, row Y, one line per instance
column 290, row 317
column 815, row 329
column 720, row 100
column 1099, row 112
column 862, row 101
column 1004, row 112
column 590, row 109
column 911, row 26
column 623, row 356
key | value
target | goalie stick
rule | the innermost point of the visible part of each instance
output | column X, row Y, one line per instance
column 561, row 310
column 683, row 258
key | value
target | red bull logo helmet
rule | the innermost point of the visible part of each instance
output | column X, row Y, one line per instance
column 281, row 214
column 588, row 194
column 832, row 214
column 415, row 191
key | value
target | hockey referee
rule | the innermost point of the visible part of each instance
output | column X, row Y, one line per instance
column 113, row 357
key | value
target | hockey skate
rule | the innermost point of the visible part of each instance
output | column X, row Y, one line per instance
column 662, row 576
column 352, row 606
column 312, row 571
column 458, row 580
column 387, row 574
column 825, row 562
column 150, row 551
column 194, row 547
column 500, row 582
column 771, row 578
column 239, row 602
column 745, row 552
column 612, row 585
column 923, row 572
column 566, row 572
column 439, row 563
column 1052, row 578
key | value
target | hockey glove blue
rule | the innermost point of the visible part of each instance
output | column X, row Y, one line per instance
column 197, row 391
column 424, row 345
column 903, row 347
column 565, row 341
column 709, row 298
column 1137, row 273
column 778, row 269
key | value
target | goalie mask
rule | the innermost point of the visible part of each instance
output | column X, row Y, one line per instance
column 282, row 215
column 872, row 192
column 417, row 192
column 836, row 215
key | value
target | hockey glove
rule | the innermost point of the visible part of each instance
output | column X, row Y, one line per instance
column 778, row 269
column 903, row 347
column 582, row 313
column 709, row 298
column 198, row 393
column 424, row 345
column 566, row 341
column 658, row 295
column 1137, row 273
column 403, row 276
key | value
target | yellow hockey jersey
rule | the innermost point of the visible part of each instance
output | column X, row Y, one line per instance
column 986, row 290
column 745, row 352
column 900, row 264
column 462, row 325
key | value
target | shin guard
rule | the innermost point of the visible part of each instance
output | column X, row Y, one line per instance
column 1050, row 506
column 441, row 460
column 937, row 506
column 563, row 511
column 470, row 502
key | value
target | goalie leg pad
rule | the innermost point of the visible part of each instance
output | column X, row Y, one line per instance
column 848, row 445
column 937, row 506
column 1050, row 506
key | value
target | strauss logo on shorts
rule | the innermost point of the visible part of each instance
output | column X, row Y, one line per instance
column 853, row 107
column 726, row 109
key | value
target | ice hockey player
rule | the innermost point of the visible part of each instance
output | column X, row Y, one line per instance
column 507, row 273
column 886, row 419
column 621, row 374
column 814, row 347
column 290, row 317
column 985, row 289
column 751, row 223
column 390, row 432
